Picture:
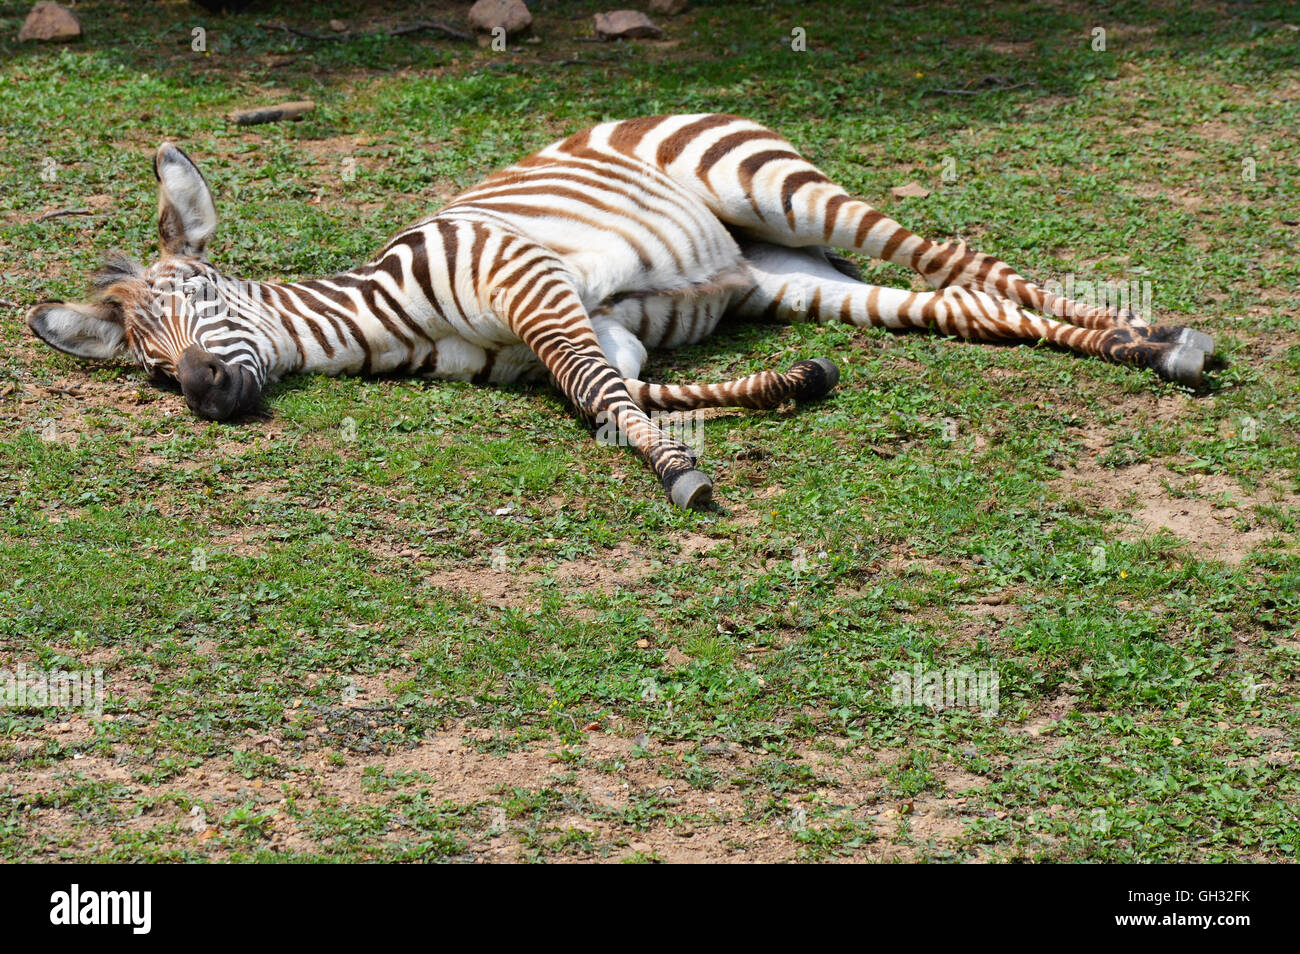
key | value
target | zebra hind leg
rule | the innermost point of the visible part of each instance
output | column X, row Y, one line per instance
column 803, row 284
column 757, row 183
column 953, row 264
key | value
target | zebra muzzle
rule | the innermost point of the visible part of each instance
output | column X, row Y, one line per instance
column 215, row 389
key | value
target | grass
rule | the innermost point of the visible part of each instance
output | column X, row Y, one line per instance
column 458, row 628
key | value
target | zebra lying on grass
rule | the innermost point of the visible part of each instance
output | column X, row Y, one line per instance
column 627, row 236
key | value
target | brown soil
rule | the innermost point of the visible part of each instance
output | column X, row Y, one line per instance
column 718, row 824
column 1211, row 514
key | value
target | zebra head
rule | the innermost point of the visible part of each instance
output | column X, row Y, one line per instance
column 178, row 319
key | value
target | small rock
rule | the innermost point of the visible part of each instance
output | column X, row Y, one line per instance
column 486, row 15
column 668, row 7
column 626, row 25
column 338, row 26
column 676, row 658
column 50, row 23
column 910, row 190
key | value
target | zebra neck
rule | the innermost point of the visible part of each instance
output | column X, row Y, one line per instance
column 343, row 325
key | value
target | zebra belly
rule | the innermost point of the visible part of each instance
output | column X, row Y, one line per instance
column 675, row 317
column 455, row 359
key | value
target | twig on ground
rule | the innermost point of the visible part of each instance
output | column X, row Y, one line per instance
column 59, row 389
column 989, row 84
column 431, row 25
column 353, row 34
column 273, row 114
column 58, row 212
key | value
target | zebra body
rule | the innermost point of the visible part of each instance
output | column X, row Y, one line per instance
column 653, row 268
column 573, row 262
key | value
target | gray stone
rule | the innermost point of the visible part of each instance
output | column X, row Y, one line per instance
column 486, row 15
column 669, row 8
column 626, row 25
column 50, row 23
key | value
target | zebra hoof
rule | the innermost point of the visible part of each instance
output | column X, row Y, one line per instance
column 1182, row 364
column 820, row 376
column 1196, row 339
column 692, row 490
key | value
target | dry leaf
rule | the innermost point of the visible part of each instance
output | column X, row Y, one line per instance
column 910, row 190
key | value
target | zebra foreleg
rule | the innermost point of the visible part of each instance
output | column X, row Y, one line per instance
column 805, row 381
column 555, row 325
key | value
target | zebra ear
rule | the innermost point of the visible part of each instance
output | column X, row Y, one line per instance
column 187, row 216
column 93, row 332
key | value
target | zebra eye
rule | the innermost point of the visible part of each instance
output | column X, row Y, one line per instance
column 200, row 291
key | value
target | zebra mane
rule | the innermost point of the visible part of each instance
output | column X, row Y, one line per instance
column 117, row 268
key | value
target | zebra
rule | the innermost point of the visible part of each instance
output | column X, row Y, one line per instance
column 630, row 235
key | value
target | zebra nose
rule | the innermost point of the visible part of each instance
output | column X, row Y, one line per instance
column 214, row 389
